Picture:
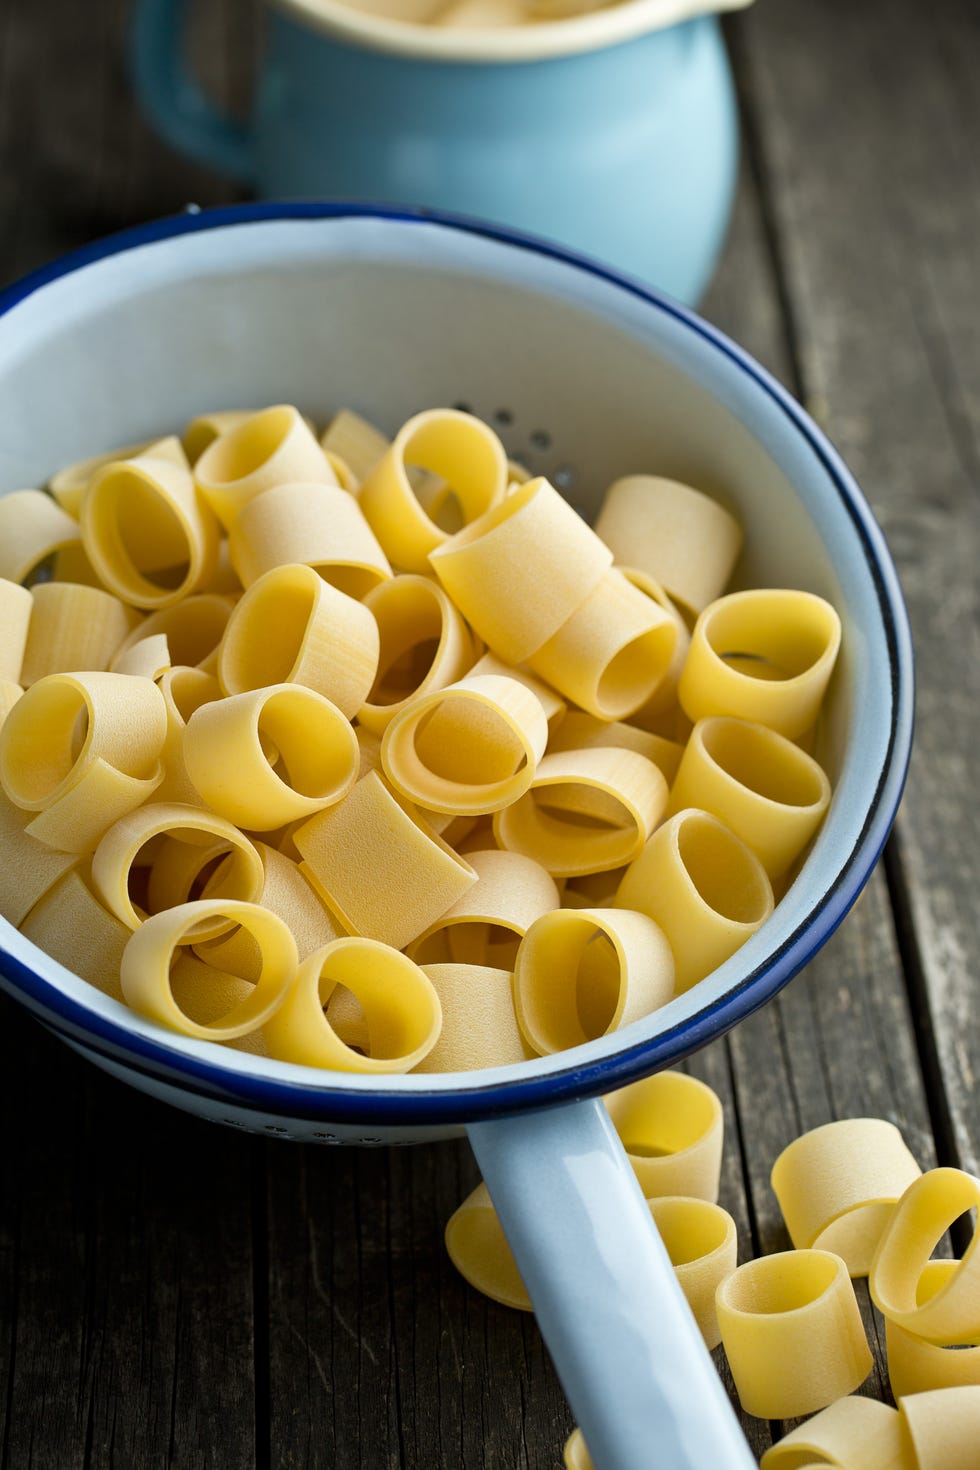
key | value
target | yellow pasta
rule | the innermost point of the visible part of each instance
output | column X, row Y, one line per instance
column 381, row 871
column 273, row 447
column 144, row 972
column 478, row 1248
column 461, row 450
column 552, row 704
column 943, row 1427
column 925, row 1211
column 226, row 754
column 704, row 888
column 9, row 695
column 664, row 696
column 32, row 528
column 73, row 628
column 320, row 526
column 576, row 1453
column 485, row 926
column 202, row 431
column 423, row 645
column 469, row 749
column 765, row 655
column 68, row 486
column 701, row 1240
column 76, row 820
column 359, row 444
column 792, row 1332
column 581, row 973
column 71, row 926
column 147, row 657
column 520, row 571
column 401, row 1010
column 184, row 690
column 918, row 1366
column 28, row 869
column 479, row 1028
column 678, row 535
column 672, row 1128
column 837, row 1186
column 291, row 627
column 853, row 1433
column 579, row 730
column 16, row 605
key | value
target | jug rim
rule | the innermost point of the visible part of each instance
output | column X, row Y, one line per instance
column 540, row 41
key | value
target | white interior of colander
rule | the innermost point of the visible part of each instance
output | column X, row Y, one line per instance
column 584, row 380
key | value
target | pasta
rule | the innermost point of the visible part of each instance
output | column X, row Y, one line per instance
column 853, row 1433
column 943, row 1426
column 916, row 1365
column 702, row 1243
column 320, row 526
column 479, row 1028
column 672, row 1129
column 273, row 447
column 925, row 1211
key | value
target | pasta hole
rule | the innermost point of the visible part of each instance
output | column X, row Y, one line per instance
column 45, row 740
column 763, row 1287
column 687, row 1233
column 148, row 533
column 346, row 1015
column 466, row 741
column 764, row 763
column 242, row 451
column 597, row 986
column 754, row 666
column 353, row 581
column 722, row 873
column 270, row 638
column 403, row 675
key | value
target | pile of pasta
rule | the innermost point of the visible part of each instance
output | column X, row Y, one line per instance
column 374, row 756
column 856, row 1204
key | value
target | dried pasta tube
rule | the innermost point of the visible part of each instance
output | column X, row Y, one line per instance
column 423, row 644
column 343, row 474
column 381, row 871
column 575, row 1455
column 592, row 891
column 148, row 534
column 16, row 605
column 74, row 627
column 672, row 1128
column 200, row 837
column 205, row 994
column 766, row 789
column 765, row 655
column 943, row 1427
column 273, row 447
column 479, row 1028
column 918, row 1366
column 581, row 973
column 69, row 924
column 68, row 486
column 145, row 969
column 355, row 441
column 319, row 526
column 538, row 826
column 184, row 690
column 553, row 705
column 66, row 722
column 792, row 1332
column 202, row 431
column 291, row 627
column 702, row 1243
column 705, row 889
column 400, row 1007
column 148, row 658
column 854, row 1433
column 479, row 1250
column 664, row 696
column 28, row 869
column 511, row 891
column 578, row 731
column 457, row 447
column 226, row 754
column 469, row 749
column 520, row 571
column 922, row 1216
column 9, row 695
column 612, row 652
column 678, row 535
column 32, row 528
column 838, row 1185
column 193, row 628
column 78, row 819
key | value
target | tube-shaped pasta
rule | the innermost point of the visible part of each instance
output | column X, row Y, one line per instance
column 380, row 869
column 32, row 528
column 854, row 1433
column 639, row 796
column 16, row 605
column 672, row 1128
column 28, row 869
column 291, row 627
column 9, row 695
column 837, row 1186
column 226, row 750
column 918, row 1366
column 943, row 1427
column 486, row 925
column 702, row 1242
column 469, row 749
column 705, row 889
column 148, row 534
column 479, row 1028
column 73, row 627
column 577, row 731
column 792, row 1332
column 478, row 1248
column 273, row 447
column 678, row 535
column 193, row 628
column 423, row 645
column 202, row 431
column 144, row 972
column 320, row 526
column 149, row 658
column 400, row 1006
column 68, row 486
column 611, row 652
column 581, row 973
column 358, row 443
column 766, row 789
column 457, row 447
column 765, row 655
column 77, row 819
column 924, row 1213
column 664, row 696
column 184, row 690
column 66, row 722
column 520, row 571
column 575, row 1455
column 71, row 926
column 552, row 704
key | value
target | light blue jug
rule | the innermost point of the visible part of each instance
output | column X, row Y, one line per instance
column 598, row 133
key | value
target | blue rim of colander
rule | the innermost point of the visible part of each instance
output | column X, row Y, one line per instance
column 317, row 1101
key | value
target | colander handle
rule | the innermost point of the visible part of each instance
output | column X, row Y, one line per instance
column 173, row 100
column 632, row 1362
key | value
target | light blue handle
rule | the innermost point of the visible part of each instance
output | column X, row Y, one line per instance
column 631, row 1360
column 172, row 99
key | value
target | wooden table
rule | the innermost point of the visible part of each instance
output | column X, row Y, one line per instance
column 176, row 1295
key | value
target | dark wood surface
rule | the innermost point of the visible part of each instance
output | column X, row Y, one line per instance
column 174, row 1295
